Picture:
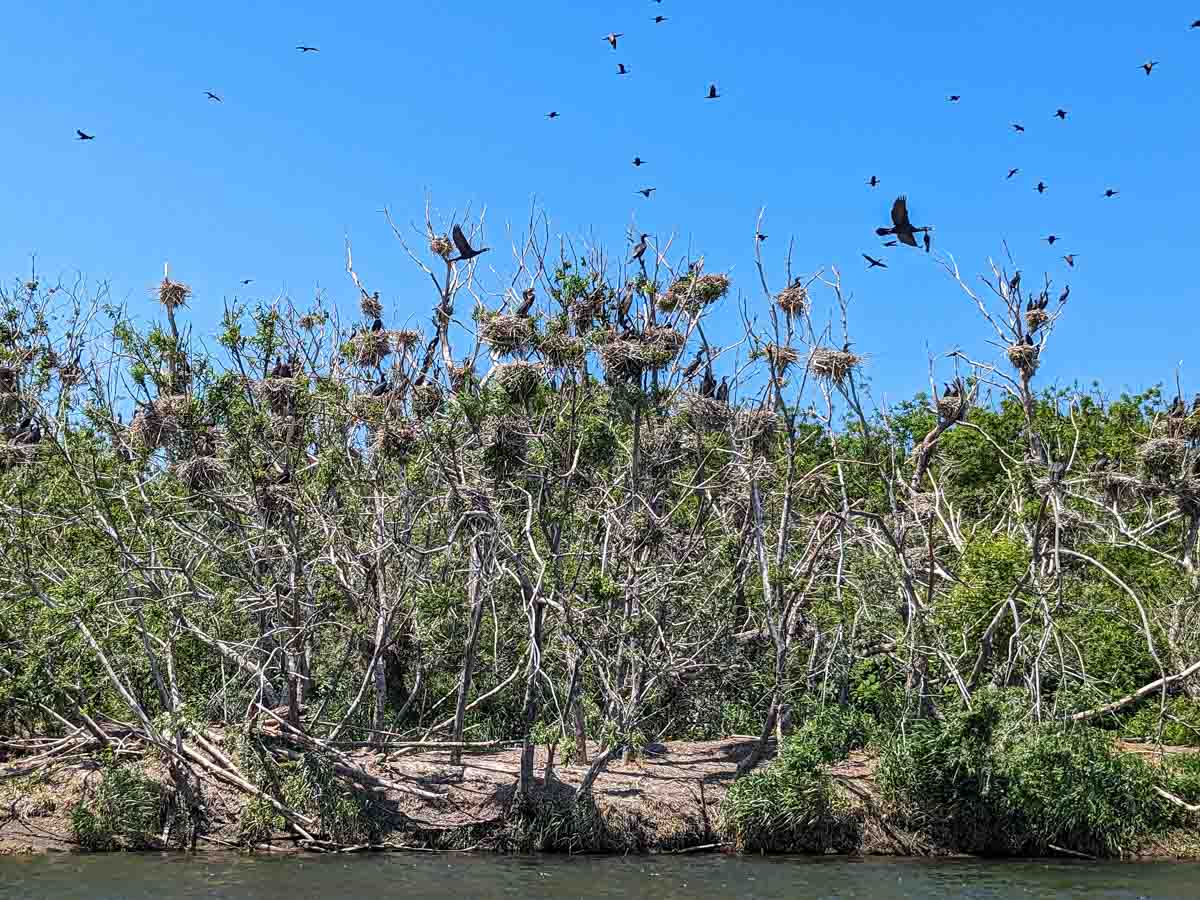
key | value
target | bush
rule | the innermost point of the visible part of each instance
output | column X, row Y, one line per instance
column 125, row 813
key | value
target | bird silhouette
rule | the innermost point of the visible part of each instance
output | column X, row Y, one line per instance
column 658, row 20
column 552, row 115
column 621, row 70
column 638, row 161
column 281, row 369
column 1178, row 409
column 303, row 49
column 927, row 241
column 1195, row 24
column 953, row 98
column 873, row 263
column 382, row 388
column 1111, row 193
column 1041, row 187
column 612, row 36
column 1012, row 172
column 873, row 181
column 639, row 249
column 1018, row 128
column 1050, row 239
column 29, row 434
column 708, row 386
column 1148, row 66
column 723, row 390
column 759, row 236
column 246, row 281
column 465, row 251
column 1043, row 301
column 712, row 93
column 527, row 298
column 83, row 136
column 1070, row 258
column 891, row 243
column 1062, row 298
column 211, row 96
column 1015, row 282
column 377, row 326
column 1060, row 114
column 646, row 192
column 902, row 228
column 694, row 366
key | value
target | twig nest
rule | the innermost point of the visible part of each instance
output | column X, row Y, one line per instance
column 1164, row 458
column 173, row 293
column 280, row 393
column 312, row 320
column 1117, row 486
column 368, row 348
column 642, row 528
column 12, row 455
column 426, row 399
column 793, row 300
column 923, row 504
column 201, row 472
column 625, row 359
column 660, row 446
column 396, row 440
column 584, row 310
column 562, row 351
column 158, row 422
column 708, row 414
column 1035, row 319
column 780, row 356
column 507, row 334
column 461, row 376
column 404, row 339
column 951, row 409
column 440, row 245
column 505, row 440
column 664, row 343
column 519, row 379
column 693, row 292
column 831, row 364
column 1025, row 358
column 757, row 427
column 1187, row 493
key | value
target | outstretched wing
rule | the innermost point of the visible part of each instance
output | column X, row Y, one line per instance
column 460, row 241
column 907, row 237
column 900, row 214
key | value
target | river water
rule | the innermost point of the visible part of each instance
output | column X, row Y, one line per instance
column 446, row 877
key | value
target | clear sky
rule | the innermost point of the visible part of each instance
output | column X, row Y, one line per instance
column 449, row 98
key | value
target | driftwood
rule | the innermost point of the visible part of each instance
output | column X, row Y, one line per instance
column 1139, row 694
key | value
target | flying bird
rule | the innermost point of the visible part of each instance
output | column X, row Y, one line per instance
column 953, row 98
column 211, row 96
column 759, row 236
column 84, row 136
column 902, row 228
column 1041, row 187
column 638, row 161
column 1111, row 193
column 1195, row 24
column 621, row 70
column 1050, row 239
column 658, row 20
column 712, row 93
column 1012, row 172
column 612, row 36
column 552, row 115
column 1019, row 129
column 465, row 250
column 639, row 249
column 1148, row 66
column 246, row 281
column 890, row 243
column 1060, row 114
column 873, row 181
column 646, row 192
column 873, row 263
column 303, row 49
column 1070, row 258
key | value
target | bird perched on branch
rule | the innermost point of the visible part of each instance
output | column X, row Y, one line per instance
column 902, row 228
column 377, row 326
column 281, row 369
column 465, row 251
column 527, row 298
column 708, row 386
column 873, row 263
column 612, row 36
column 1062, row 298
column 723, row 390
column 639, row 249
column 1178, row 409
column 694, row 366
column 382, row 388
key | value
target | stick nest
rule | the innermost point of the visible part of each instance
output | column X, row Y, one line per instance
column 951, row 409
column 427, row 399
column 1163, row 458
column 280, row 393
column 507, row 334
column 780, row 356
column 693, row 292
column 586, row 309
column 158, row 422
column 757, row 427
column 708, row 414
column 396, row 440
column 12, row 455
column 562, row 351
column 505, row 441
column 923, row 504
column 404, row 339
column 440, row 245
column 793, row 300
column 519, row 379
column 833, row 365
column 370, row 306
column 368, row 348
column 173, row 293
column 201, row 472
column 1035, row 319
column 1025, row 359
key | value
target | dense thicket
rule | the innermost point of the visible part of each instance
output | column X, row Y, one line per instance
column 555, row 527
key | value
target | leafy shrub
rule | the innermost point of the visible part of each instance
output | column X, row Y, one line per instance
column 125, row 812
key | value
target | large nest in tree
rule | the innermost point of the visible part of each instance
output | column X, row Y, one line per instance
column 586, row 309
column 693, row 292
column 625, row 359
column 12, row 455
column 368, row 348
column 370, row 306
column 404, row 339
column 562, row 351
column 781, row 356
column 1035, row 319
column 793, row 300
column 427, row 399
column 1119, row 487
column 475, row 507
column 660, row 446
column 664, row 343
column 923, row 504
column 519, row 379
column 831, row 364
column 280, row 394
column 201, row 472
column 461, row 376
column 505, row 440
column 1025, row 358
column 507, row 334
column 396, row 440
column 440, row 245
column 953, row 408
column 158, row 422
column 757, row 427
column 1164, row 458
column 173, row 293
column 707, row 413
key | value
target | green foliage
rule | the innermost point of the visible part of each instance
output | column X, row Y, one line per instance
column 125, row 812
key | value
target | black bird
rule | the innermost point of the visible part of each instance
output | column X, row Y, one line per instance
column 1012, row 172
column 1148, row 66
column 712, row 93
column 759, row 236
column 623, row 307
column 465, row 251
column 304, row 49
column 1111, row 193
column 1051, row 239
column 694, row 366
column 708, row 386
column 639, row 249
column 1044, row 300
column 246, row 281
column 29, row 434
column 612, row 36
column 1102, row 463
column 527, row 298
column 552, row 115
column 658, row 20
column 1062, row 298
column 723, row 390
column 1070, row 258
column 1178, row 409
column 377, row 326
column 927, row 241
column 1019, row 129
column 1030, row 305
column 1015, row 282
column 83, row 136
column 1060, row 114
column 873, row 181
column 211, row 96
column 953, row 98
column 874, row 263
column 382, row 388
column 621, row 70
column 638, row 161
column 281, row 369
column 890, row 243
column 1028, row 340
column 1041, row 187
column 1196, row 403
column 1195, row 24
column 646, row 192
column 902, row 228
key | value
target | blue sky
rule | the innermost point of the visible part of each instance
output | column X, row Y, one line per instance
column 449, row 99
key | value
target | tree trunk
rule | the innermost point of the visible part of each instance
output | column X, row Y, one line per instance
column 475, row 586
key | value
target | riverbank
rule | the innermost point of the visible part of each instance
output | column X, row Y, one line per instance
column 669, row 800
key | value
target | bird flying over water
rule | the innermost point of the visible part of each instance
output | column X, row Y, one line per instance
column 1148, row 66
column 612, row 36
column 465, row 251
column 211, row 96
column 83, row 136
column 646, row 192
column 1012, row 172
column 873, row 263
column 303, row 49
column 902, row 228
column 712, row 93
